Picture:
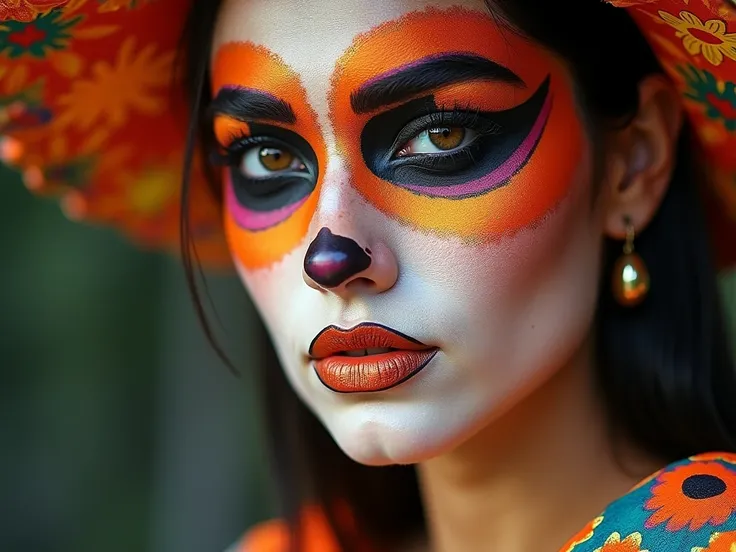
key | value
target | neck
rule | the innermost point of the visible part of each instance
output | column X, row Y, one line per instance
column 536, row 475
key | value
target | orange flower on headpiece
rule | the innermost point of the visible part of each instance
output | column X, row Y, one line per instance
column 26, row 10
column 693, row 495
column 632, row 543
column 707, row 38
column 113, row 5
column 132, row 84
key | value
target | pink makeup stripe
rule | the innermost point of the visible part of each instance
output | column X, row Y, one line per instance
column 499, row 175
column 256, row 221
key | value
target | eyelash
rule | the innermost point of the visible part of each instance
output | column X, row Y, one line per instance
column 465, row 117
column 231, row 154
column 456, row 116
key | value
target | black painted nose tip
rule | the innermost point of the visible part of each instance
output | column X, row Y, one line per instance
column 331, row 259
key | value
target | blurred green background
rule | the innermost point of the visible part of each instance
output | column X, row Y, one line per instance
column 120, row 429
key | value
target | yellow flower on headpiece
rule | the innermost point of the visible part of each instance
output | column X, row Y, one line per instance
column 707, row 38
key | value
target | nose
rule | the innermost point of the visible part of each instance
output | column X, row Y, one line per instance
column 340, row 265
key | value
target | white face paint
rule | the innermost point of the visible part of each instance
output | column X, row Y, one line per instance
column 488, row 255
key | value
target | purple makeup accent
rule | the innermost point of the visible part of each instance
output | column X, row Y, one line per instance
column 255, row 221
column 331, row 259
column 499, row 176
column 427, row 74
column 410, row 65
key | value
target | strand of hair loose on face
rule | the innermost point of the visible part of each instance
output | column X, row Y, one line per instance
column 188, row 245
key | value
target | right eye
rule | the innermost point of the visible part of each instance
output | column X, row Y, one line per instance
column 260, row 161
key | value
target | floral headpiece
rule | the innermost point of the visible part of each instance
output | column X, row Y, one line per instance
column 89, row 114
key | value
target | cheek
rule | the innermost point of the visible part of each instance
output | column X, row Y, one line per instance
column 276, row 293
column 524, row 296
column 284, row 230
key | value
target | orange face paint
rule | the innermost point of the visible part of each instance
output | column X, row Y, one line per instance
column 261, row 237
column 527, row 190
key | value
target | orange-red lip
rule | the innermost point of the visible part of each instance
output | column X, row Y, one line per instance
column 372, row 372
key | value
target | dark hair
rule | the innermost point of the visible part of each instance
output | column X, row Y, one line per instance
column 664, row 371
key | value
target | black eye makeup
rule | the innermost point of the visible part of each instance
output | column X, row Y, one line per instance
column 456, row 153
column 271, row 168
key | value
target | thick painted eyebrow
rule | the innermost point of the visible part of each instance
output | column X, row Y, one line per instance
column 427, row 74
column 246, row 104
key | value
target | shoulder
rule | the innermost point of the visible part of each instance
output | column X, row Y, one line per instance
column 273, row 535
column 688, row 506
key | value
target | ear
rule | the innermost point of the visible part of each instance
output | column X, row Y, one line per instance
column 641, row 158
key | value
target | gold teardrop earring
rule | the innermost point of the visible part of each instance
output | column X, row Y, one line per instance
column 630, row 275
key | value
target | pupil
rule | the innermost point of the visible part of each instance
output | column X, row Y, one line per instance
column 446, row 137
column 275, row 159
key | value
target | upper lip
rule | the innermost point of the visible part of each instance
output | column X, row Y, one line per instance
column 333, row 340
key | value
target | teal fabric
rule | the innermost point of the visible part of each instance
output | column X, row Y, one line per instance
column 690, row 506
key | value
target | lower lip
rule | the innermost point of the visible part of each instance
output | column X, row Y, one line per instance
column 370, row 373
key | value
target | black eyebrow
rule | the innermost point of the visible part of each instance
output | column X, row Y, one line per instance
column 245, row 104
column 428, row 74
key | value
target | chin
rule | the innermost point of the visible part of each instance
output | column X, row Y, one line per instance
column 391, row 434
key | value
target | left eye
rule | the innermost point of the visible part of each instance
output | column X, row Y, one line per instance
column 263, row 162
column 443, row 139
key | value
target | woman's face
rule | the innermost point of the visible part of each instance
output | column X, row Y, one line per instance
column 409, row 205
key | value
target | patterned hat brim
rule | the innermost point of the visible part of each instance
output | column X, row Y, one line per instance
column 89, row 112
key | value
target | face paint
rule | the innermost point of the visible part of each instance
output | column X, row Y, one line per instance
column 274, row 150
column 498, row 146
column 331, row 259
column 454, row 150
column 504, row 104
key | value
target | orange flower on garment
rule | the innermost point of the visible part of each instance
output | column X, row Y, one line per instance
column 585, row 534
column 693, row 495
column 26, row 10
column 273, row 536
column 719, row 542
column 632, row 543
column 137, row 82
column 708, row 38
column 722, row 456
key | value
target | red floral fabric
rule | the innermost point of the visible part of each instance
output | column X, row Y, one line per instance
column 93, row 115
column 90, row 112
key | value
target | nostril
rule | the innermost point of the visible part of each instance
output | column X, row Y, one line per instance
column 360, row 283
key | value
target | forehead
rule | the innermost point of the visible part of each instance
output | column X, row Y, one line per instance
column 311, row 36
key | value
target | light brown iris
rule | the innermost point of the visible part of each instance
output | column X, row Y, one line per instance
column 275, row 159
column 447, row 138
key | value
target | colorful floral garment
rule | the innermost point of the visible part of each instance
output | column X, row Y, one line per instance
column 689, row 506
